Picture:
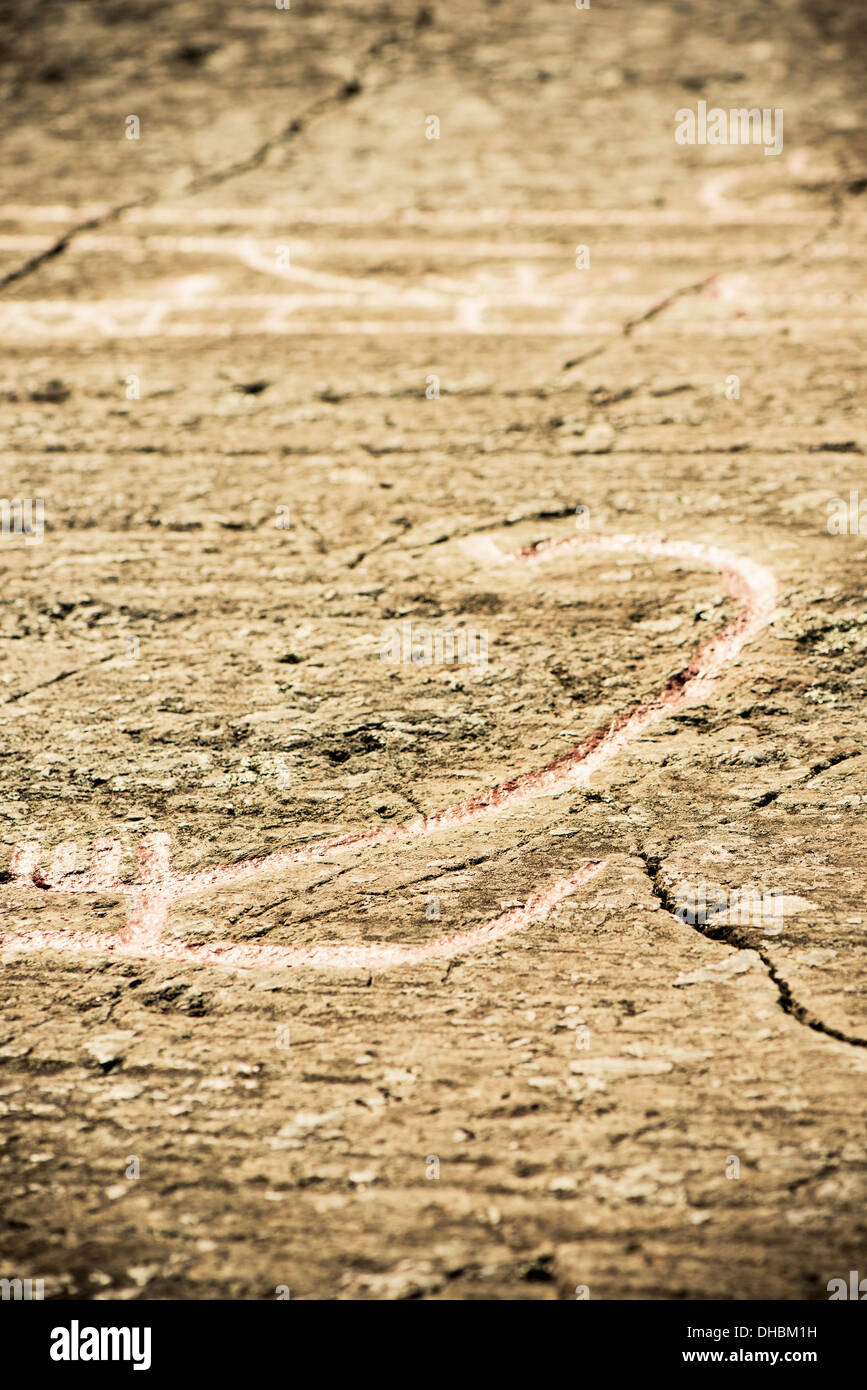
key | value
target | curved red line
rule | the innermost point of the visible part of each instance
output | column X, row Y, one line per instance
column 158, row 885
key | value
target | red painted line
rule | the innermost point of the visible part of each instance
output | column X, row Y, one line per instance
column 157, row 885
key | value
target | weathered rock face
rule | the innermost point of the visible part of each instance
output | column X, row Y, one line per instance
column 285, row 360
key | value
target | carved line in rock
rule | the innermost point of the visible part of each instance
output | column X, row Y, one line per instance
column 158, row 885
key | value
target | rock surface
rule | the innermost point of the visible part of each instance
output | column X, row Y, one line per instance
column 268, row 365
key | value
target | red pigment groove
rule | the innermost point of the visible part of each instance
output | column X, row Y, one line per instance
column 157, row 885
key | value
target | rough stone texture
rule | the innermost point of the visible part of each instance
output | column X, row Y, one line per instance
column 174, row 660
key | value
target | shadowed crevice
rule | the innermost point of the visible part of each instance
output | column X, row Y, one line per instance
column 732, row 936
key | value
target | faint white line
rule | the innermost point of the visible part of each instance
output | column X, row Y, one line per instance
column 470, row 218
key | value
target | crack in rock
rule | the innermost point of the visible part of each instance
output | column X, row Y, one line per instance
column 731, row 936
column 353, row 87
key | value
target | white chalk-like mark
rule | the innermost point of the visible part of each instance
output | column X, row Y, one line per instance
column 716, row 213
